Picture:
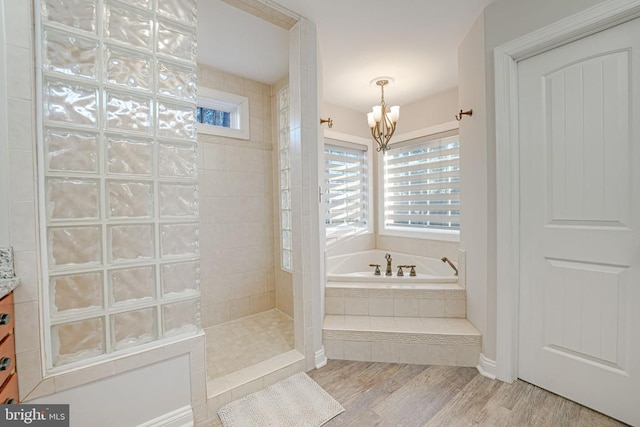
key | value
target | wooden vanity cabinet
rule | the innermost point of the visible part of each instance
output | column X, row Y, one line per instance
column 8, row 374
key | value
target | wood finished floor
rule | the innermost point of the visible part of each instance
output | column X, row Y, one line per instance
column 389, row 394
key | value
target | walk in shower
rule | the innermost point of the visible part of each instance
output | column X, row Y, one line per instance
column 244, row 186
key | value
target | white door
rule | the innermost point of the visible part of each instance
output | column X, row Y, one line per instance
column 579, row 130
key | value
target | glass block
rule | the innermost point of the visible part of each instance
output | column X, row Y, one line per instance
column 286, row 259
column 180, row 10
column 178, row 200
column 131, row 242
column 72, row 198
column 79, row 14
column 76, row 292
column 77, row 340
column 284, row 179
column 176, row 41
column 285, row 200
column 177, row 160
column 130, row 199
column 284, row 159
column 130, row 284
column 286, row 239
column 286, row 220
column 180, row 277
column 128, row 112
column 71, row 151
column 129, row 156
column 133, row 328
column 176, row 121
column 284, row 119
column 72, row 246
column 283, row 98
column 179, row 239
column 145, row 4
column 127, row 68
column 181, row 317
column 70, row 103
column 69, row 54
column 284, row 139
column 174, row 80
column 128, row 26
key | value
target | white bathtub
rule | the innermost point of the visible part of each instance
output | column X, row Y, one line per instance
column 355, row 268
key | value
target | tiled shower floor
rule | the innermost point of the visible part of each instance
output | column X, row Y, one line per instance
column 241, row 343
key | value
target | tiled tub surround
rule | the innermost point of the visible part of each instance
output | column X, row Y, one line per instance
column 380, row 319
column 357, row 267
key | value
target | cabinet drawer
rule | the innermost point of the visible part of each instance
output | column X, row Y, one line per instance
column 6, row 315
column 7, row 358
column 9, row 393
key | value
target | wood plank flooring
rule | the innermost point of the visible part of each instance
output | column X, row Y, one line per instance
column 388, row 394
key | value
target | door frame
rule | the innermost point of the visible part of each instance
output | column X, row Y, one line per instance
column 506, row 57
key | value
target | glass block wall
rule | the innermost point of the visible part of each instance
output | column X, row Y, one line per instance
column 118, row 176
column 285, row 179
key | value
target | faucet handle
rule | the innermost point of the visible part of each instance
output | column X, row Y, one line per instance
column 377, row 266
column 400, row 272
column 413, row 270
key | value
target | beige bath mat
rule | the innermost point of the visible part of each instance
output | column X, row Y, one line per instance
column 297, row 401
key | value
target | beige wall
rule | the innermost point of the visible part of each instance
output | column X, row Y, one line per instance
column 346, row 121
column 433, row 110
column 236, row 209
column 473, row 177
column 502, row 21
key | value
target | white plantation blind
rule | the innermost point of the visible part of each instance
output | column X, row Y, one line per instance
column 422, row 185
column 345, row 187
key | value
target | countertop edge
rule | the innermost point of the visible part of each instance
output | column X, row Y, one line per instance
column 8, row 285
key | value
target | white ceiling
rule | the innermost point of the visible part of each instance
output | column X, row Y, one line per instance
column 414, row 41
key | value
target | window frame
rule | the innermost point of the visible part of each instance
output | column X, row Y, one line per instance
column 353, row 142
column 237, row 105
column 431, row 133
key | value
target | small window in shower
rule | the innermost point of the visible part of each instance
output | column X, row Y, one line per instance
column 222, row 114
column 211, row 117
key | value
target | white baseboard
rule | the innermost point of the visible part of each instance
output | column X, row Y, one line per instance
column 181, row 417
column 320, row 358
column 487, row 367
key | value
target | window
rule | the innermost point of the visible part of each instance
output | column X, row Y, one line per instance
column 223, row 114
column 422, row 187
column 346, row 187
column 208, row 116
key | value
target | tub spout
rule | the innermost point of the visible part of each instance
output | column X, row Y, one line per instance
column 445, row 259
column 388, row 272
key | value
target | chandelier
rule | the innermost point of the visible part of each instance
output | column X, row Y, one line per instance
column 383, row 120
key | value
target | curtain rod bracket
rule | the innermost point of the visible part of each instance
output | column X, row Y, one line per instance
column 329, row 121
column 465, row 113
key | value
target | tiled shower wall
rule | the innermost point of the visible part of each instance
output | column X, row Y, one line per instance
column 237, row 251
